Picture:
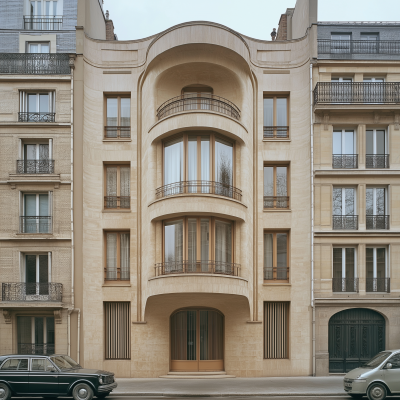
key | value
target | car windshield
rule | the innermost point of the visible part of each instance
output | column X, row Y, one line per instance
column 377, row 360
column 64, row 362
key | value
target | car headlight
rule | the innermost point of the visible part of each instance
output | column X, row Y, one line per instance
column 100, row 380
column 360, row 380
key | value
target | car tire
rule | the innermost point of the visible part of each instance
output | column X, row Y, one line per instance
column 356, row 396
column 5, row 392
column 377, row 391
column 82, row 391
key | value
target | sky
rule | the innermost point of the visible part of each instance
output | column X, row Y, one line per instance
column 137, row 19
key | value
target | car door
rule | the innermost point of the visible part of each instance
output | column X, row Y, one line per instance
column 15, row 372
column 43, row 377
column 392, row 376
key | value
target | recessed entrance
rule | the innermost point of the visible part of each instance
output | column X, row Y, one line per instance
column 197, row 340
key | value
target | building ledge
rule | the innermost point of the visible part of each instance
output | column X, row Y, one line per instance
column 202, row 275
column 357, row 172
column 31, row 304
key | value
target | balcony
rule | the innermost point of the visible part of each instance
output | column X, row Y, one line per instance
column 276, row 274
column 33, row 224
column 197, row 267
column 35, row 166
column 43, row 23
column 117, row 202
column 31, row 292
column 34, row 348
column 276, row 202
column 377, row 221
column 34, row 64
column 345, row 222
column 117, row 132
column 36, row 117
column 199, row 187
column 344, row 161
column 377, row 161
column 357, row 93
column 381, row 285
column 191, row 102
column 343, row 48
column 345, row 285
column 276, row 132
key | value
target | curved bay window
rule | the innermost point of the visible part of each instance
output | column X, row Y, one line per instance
column 198, row 245
column 199, row 163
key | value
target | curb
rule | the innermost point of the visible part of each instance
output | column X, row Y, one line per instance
column 281, row 394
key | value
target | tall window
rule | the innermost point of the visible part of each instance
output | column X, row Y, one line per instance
column 118, row 331
column 344, row 149
column 344, row 270
column 276, row 330
column 44, row 15
column 37, row 275
column 276, row 261
column 118, row 192
column 369, row 42
column 117, row 248
column 376, row 270
column 118, row 117
column 276, row 117
column 37, row 107
column 376, row 207
column 36, row 159
column 36, row 215
column 340, row 42
column 376, row 149
column 344, row 208
column 276, row 187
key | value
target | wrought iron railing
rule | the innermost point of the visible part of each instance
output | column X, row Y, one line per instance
column 197, row 267
column 36, row 117
column 117, row 132
column 377, row 285
column 199, row 187
column 345, row 285
column 377, row 161
column 276, row 274
column 35, row 166
column 21, row 291
column 43, row 23
column 276, row 201
column 117, row 202
column 276, row 132
column 34, row 63
column 345, row 222
column 191, row 102
column 377, row 221
column 343, row 47
column 34, row 348
column 33, row 224
column 357, row 93
column 348, row 161
column 116, row 274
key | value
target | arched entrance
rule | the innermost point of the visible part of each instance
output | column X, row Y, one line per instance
column 197, row 340
column 355, row 336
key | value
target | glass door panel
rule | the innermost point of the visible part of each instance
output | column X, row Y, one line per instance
column 173, row 246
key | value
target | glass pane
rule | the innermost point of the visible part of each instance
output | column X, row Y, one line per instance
column 223, row 242
column 268, row 181
column 39, row 330
column 192, row 243
column 349, row 142
column 380, row 263
column 33, row 48
column 30, row 205
column 50, row 330
column 370, row 142
column 204, row 243
column 44, row 103
column 30, row 272
column 380, row 201
column 173, row 162
column 349, row 201
column 125, row 112
column 205, row 160
column 38, row 8
column 43, row 205
column 45, row 48
column 349, row 263
column 43, row 270
column 183, row 335
column 211, row 331
column 173, row 241
column 281, row 112
column 40, row 364
column 111, row 269
column 268, row 256
column 380, row 142
column 370, row 263
column 112, row 112
column 268, row 112
column 32, row 105
column 191, row 335
column 30, row 152
column 192, row 162
column 223, row 162
column 337, row 262
column 47, row 8
column 337, row 142
column 125, row 182
column 24, row 330
column 281, row 181
column 281, row 244
column 125, row 256
column 111, row 179
column 43, row 152
column 337, row 201
column 369, row 203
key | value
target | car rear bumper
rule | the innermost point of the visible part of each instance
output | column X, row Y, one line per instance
column 107, row 388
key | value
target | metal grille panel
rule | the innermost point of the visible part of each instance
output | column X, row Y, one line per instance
column 118, row 341
column 276, row 330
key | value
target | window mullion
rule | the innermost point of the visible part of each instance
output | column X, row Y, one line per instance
column 343, row 262
column 374, row 264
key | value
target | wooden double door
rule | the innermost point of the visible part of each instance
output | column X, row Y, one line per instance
column 197, row 340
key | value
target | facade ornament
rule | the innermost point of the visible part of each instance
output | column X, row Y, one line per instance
column 376, row 117
column 326, row 121
column 396, row 122
column 72, row 61
column 57, row 316
column 7, row 316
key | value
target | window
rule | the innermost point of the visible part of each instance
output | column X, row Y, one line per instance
column 118, row 117
column 36, row 213
column 39, row 47
column 344, row 149
column 340, row 43
column 341, row 90
column 369, row 43
column 37, row 107
column 118, row 191
column 276, row 187
column 197, row 97
column 395, row 361
column 344, row 208
column 344, row 270
column 15, row 364
column 36, row 159
column 41, row 364
column 376, row 149
column 118, row 329
column 276, row 117
column 44, row 15
column 117, row 256
column 37, row 276
column 374, row 90
column 276, row 330
column 276, row 250
column 376, row 206
column 376, row 278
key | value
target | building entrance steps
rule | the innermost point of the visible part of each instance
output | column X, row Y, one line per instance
column 198, row 375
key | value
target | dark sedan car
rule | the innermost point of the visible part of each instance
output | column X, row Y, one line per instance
column 51, row 376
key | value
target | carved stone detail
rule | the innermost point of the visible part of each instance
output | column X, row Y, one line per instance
column 376, row 117
column 396, row 122
column 326, row 121
column 57, row 316
column 7, row 316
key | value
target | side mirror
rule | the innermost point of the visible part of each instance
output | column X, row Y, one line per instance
column 50, row 368
column 388, row 366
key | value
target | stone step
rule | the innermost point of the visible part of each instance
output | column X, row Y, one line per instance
column 198, row 375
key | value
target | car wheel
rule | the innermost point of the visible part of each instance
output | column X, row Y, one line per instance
column 377, row 392
column 356, row 396
column 5, row 392
column 82, row 391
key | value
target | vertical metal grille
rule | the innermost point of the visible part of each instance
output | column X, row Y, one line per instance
column 118, row 343
column 276, row 330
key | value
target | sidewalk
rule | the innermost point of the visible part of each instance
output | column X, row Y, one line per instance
column 295, row 386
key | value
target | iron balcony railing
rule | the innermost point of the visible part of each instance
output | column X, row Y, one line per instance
column 197, row 267
column 199, row 187
column 43, row 23
column 36, row 117
column 345, row 161
column 116, row 274
column 377, row 221
column 276, row 132
column 345, row 222
column 345, row 285
column 117, row 132
column 357, row 93
column 276, row 201
column 191, row 102
column 35, row 166
column 33, row 224
column 21, row 291
column 34, row 63
column 35, row 348
column 117, row 202
column 276, row 274
column 343, row 47
column 378, row 285
column 377, row 161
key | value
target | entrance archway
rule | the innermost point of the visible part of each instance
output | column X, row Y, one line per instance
column 197, row 340
column 355, row 336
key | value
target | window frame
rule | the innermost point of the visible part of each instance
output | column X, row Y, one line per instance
column 343, row 205
column 118, row 202
column 37, row 254
column 343, row 248
column 118, row 127
column 23, row 104
column 118, row 259
column 274, row 234
column 374, row 261
column 275, row 132
column 39, row 44
column 275, row 201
